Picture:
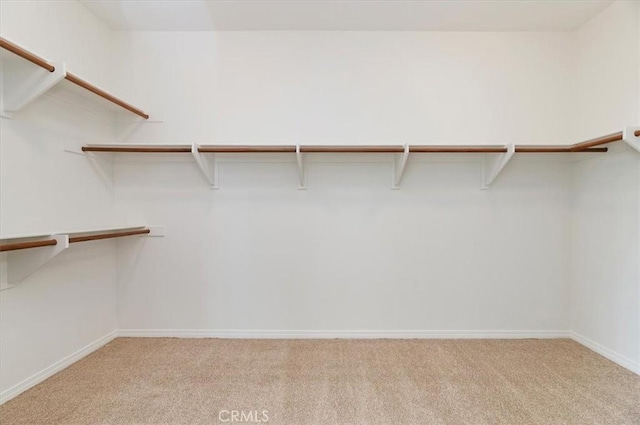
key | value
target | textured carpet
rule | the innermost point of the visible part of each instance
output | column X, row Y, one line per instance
column 298, row 382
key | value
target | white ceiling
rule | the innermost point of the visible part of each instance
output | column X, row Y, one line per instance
column 337, row 15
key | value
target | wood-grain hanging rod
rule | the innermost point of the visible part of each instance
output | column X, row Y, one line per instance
column 15, row 246
column 108, row 235
column 25, row 54
column 556, row 149
column 598, row 141
column 352, row 149
column 27, row 245
column 589, row 146
column 138, row 149
column 609, row 138
column 335, row 149
column 247, row 149
column 457, row 149
column 103, row 94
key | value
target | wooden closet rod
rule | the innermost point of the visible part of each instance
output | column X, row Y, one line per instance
column 352, row 149
column 609, row 138
column 336, row 149
column 138, row 149
column 26, row 245
column 246, row 149
column 88, row 86
column 457, row 149
column 109, row 235
column 25, row 54
column 556, row 149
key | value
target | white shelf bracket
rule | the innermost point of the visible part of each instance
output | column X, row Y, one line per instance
column 21, row 86
column 492, row 169
column 399, row 167
column 301, row 176
column 20, row 264
column 210, row 173
column 629, row 136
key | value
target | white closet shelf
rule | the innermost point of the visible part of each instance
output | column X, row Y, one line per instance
column 73, row 232
column 22, row 260
column 19, row 242
column 492, row 168
column 24, row 83
column 588, row 146
column 122, row 148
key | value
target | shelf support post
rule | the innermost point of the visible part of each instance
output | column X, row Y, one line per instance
column 209, row 173
column 20, row 264
column 301, row 176
column 18, row 93
column 399, row 167
column 630, row 138
column 491, row 172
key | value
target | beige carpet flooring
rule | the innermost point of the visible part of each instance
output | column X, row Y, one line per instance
column 298, row 382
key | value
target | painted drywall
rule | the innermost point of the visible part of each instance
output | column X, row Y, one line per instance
column 350, row 87
column 606, row 71
column 67, row 307
column 348, row 254
column 605, row 291
column 606, row 190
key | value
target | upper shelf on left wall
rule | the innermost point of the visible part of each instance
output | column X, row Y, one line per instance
column 26, row 76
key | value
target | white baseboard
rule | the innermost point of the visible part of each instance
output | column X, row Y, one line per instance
column 329, row 334
column 607, row 353
column 56, row 367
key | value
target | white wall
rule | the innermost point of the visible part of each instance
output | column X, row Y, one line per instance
column 606, row 190
column 69, row 303
column 606, row 71
column 348, row 254
column 350, row 87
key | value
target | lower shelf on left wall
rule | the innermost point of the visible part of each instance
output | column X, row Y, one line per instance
column 24, row 254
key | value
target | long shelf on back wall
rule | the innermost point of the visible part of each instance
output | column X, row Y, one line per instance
column 492, row 168
column 121, row 148
column 27, row 252
column 588, row 146
column 20, row 66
